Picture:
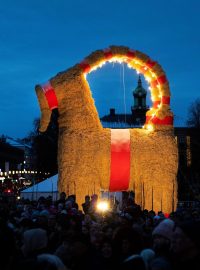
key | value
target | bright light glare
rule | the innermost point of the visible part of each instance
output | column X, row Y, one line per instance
column 150, row 127
column 102, row 206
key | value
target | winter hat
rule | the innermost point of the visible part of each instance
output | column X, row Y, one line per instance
column 147, row 255
column 44, row 213
column 192, row 229
column 34, row 240
column 49, row 261
column 134, row 262
column 35, row 214
column 156, row 217
column 64, row 212
column 165, row 229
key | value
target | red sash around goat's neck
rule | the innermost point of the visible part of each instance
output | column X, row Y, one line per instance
column 120, row 160
column 50, row 95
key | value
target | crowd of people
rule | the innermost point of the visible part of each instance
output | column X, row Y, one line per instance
column 47, row 235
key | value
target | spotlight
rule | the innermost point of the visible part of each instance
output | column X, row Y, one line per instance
column 102, row 206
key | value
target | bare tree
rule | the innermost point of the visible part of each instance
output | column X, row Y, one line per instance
column 194, row 114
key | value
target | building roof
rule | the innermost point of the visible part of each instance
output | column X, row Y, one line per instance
column 48, row 185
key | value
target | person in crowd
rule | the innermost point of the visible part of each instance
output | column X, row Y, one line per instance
column 126, row 242
column 105, row 258
column 114, row 204
column 72, row 198
column 93, row 204
column 68, row 207
column 62, row 198
column 186, row 245
column 33, row 235
column 147, row 255
column 133, row 262
column 160, row 264
column 8, row 248
column 48, row 262
column 162, row 244
column 34, row 242
column 86, row 205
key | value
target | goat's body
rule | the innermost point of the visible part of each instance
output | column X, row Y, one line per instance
column 84, row 166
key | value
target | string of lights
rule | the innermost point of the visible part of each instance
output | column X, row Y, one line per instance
column 22, row 172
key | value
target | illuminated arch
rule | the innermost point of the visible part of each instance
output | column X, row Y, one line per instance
column 159, row 117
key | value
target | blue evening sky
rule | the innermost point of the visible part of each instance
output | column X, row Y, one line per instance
column 39, row 38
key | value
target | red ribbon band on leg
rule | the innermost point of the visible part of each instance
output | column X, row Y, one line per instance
column 120, row 160
column 50, row 95
column 167, row 120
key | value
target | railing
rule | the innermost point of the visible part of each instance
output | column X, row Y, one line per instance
column 188, row 204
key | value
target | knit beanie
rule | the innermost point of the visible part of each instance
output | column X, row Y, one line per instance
column 49, row 261
column 34, row 240
column 147, row 255
column 165, row 229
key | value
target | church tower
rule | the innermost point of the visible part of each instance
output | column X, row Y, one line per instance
column 139, row 108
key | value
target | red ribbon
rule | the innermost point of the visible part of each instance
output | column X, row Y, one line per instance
column 165, row 100
column 147, row 119
column 150, row 63
column 131, row 54
column 120, row 160
column 142, row 69
column 107, row 53
column 162, row 79
column 156, row 103
column 154, row 83
column 85, row 66
column 50, row 95
column 168, row 120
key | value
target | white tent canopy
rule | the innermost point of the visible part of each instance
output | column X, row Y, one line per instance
column 48, row 187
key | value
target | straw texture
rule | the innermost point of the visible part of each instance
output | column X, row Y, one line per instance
column 84, row 145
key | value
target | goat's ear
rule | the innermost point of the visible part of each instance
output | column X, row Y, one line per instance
column 44, row 107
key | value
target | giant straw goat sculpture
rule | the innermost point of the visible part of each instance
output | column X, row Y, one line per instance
column 90, row 157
